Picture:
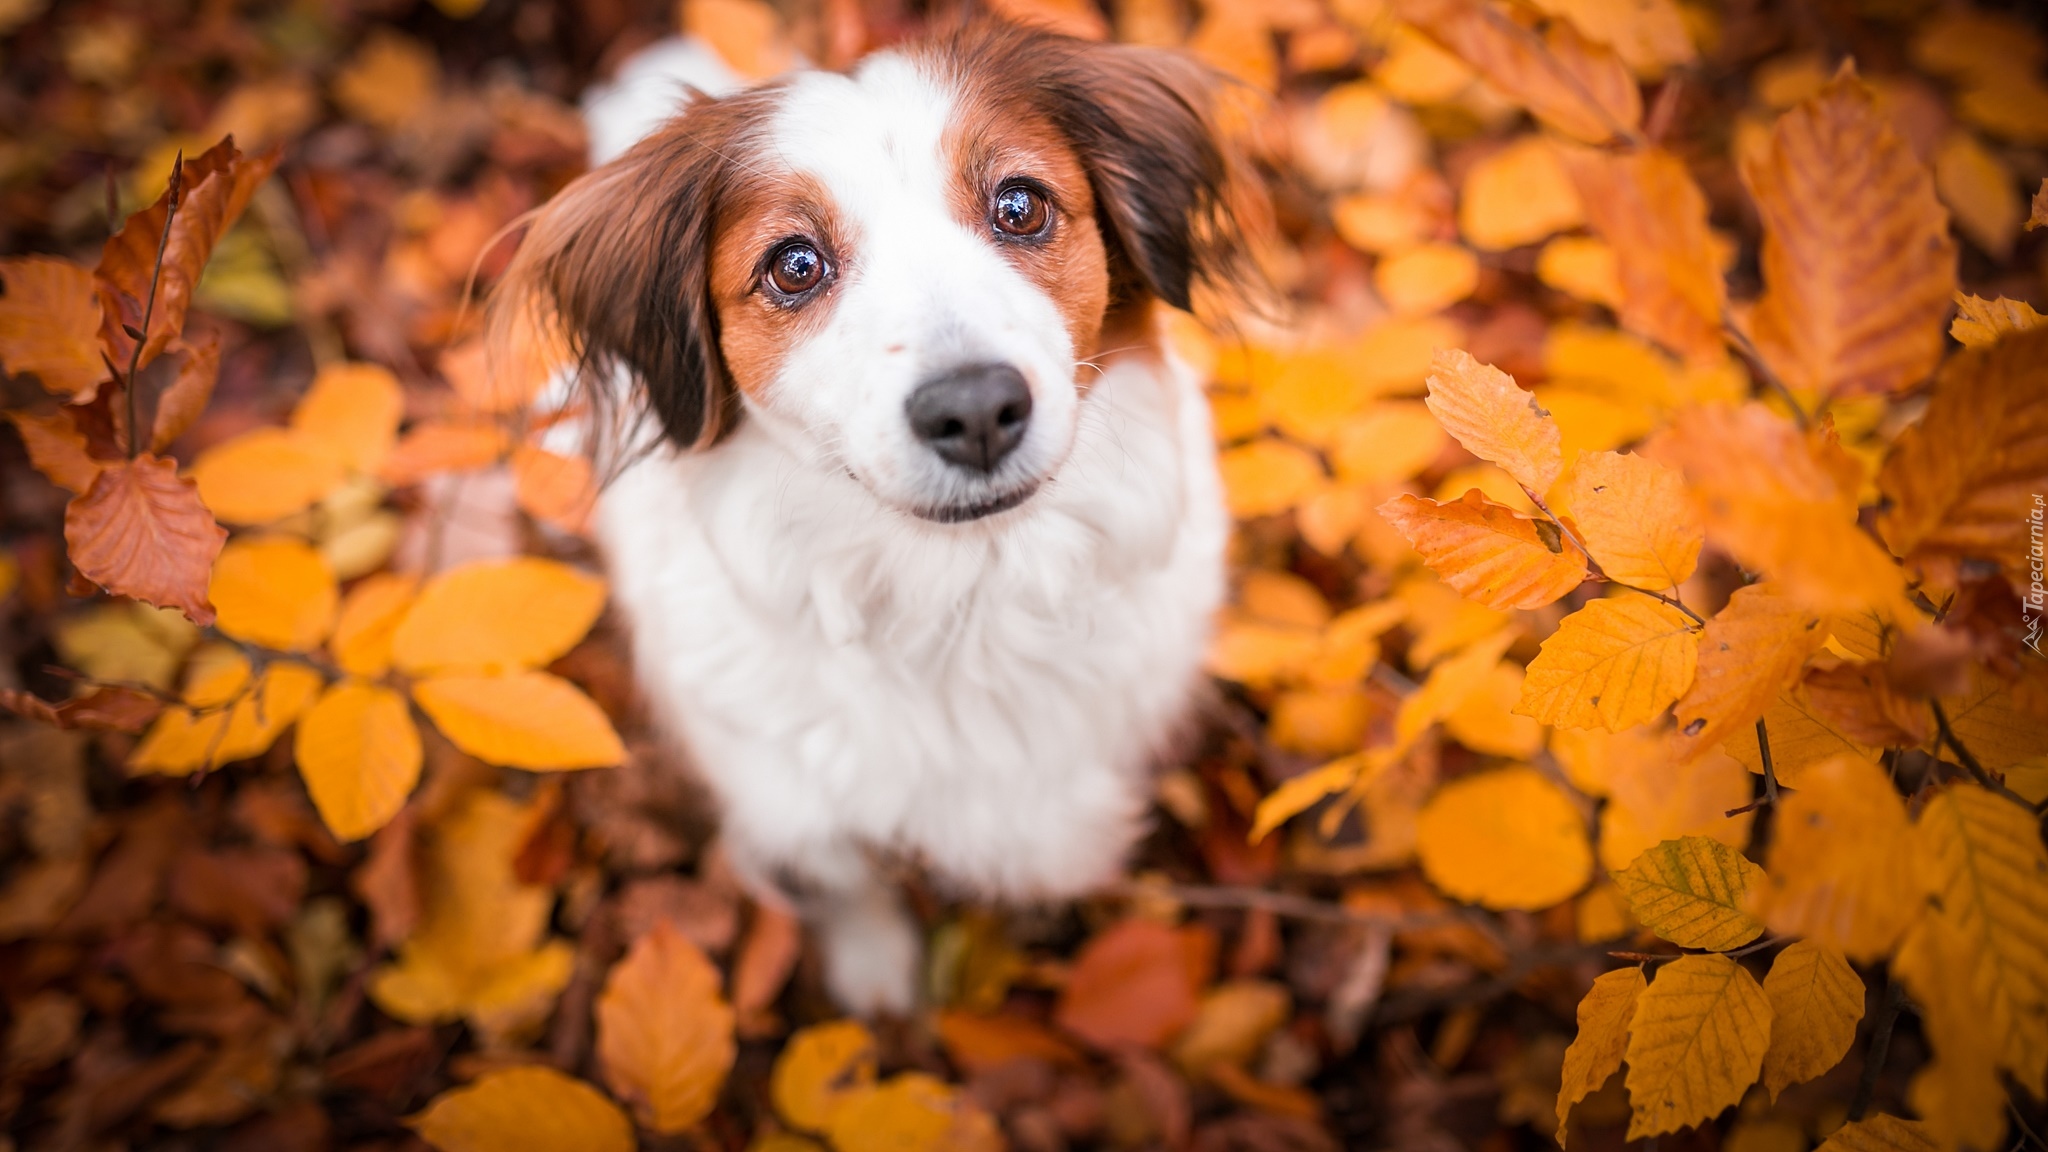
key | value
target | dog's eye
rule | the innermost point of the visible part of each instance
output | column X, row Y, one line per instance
column 1020, row 211
column 796, row 269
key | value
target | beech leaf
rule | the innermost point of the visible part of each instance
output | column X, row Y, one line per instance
column 1693, row 892
column 142, row 531
column 360, row 757
column 1489, row 552
column 1612, row 664
column 49, row 324
column 664, row 1034
column 1696, row 1044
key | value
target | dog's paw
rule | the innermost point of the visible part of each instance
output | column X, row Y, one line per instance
column 871, row 959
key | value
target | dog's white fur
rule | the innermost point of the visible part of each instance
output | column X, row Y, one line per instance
column 858, row 684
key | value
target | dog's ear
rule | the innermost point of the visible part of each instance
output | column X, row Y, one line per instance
column 618, row 265
column 1173, row 195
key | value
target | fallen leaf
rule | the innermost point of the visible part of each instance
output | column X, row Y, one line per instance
column 350, row 416
column 1426, row 278
column 1517, row 196
column 369, row 616
column 819, row 1070
column 664, row 1034
column 524, row 1109
column 1565, row 80
column 1267, row 476
column 263, row 475
column 435, row 446
column 1504, row 839
column 141, row 531
column 1130, row 984
column 275, row 591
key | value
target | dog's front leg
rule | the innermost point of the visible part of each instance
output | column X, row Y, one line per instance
column 870, row 943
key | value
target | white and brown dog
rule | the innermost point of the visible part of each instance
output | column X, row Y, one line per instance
column 920, row 559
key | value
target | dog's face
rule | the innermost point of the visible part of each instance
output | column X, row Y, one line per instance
column 900, row 273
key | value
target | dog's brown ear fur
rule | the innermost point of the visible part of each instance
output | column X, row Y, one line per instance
column 619, row 265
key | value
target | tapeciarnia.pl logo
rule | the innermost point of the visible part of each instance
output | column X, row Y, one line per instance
column 2036, row 601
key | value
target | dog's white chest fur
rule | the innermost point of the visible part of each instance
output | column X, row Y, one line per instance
column 982, row 698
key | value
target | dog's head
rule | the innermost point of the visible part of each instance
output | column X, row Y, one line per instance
column 902, row 272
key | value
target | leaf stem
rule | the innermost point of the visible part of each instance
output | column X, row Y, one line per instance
column 1741, row 342
column 1879, row 1047
column 163, row 241
column 1763, row 747
column 1970, row 762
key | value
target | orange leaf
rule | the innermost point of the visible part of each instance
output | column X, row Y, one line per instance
column 553, row 488
column 664, row 1034
column 263, row 475
column 819, row 1070
column 57, row 449
column 443, row 446
column 526, row 720
column 1495, row 419
column 230, row 718
column 369, row 616
column 982, row 1043
column 275, row 591
column 1267, row 476
column 525, row 1109
column 141, row 531
column 359, row 755
column 183, row 399
column 1843, row 313
column 1843, row 869
column 1651, row 213
column 1635, row 519
column 1504, row 839
column 1959, row 482
column 1612, row 664
column 1751, row 651
column 350, row 415
column 495, row 615
column 1489, row 552
column 216, row 186
column 49, row 324
column 1130, row 984
column 103, row 709
column 1857, row 701
column 1565, row 80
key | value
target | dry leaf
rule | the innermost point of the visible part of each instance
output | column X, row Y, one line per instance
column 1696, row 1044
column 1635, row 519
column 1979, row 323
column 1267, row 476
column 819, row 1069
column 1488, row 551
column 1646, row 206
column 57, row 449
column 664, row 1034
column 1693, row 892
column 50, row 323
column 141, row 531
column 1132, row 983
column 1517, row 196
column 1749, row 653
column 524, row 1109
column 1494, row 419
column 1841, row 316
column 1426, row 278
column 1566, row 81
column 1504, row 839
column 1816, row 1001
column 1596, row 1050
column 1843, row 868
column 1881, row 1133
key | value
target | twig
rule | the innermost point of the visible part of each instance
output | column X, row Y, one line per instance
column 1672, row 601
column 1743, row 344
column 1770, row 796
column 163, row 241
column 1970, row 762
column 2019, row 1119
column 1284, row 904
column 1874, row 1053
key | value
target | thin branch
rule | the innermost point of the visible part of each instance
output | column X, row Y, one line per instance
column 1672, row 601
column 2019, row 1119
column 163, row 241
column 1770, row 796
column 1741, row 342
column 1879, row 1047
column 1284, row 904
column 1970, row 762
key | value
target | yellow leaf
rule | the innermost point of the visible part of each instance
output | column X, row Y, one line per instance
column 1504, row 839
column 2003, row 723
column 1596, row 1051
column 1979, row 322
column 1582, row 267
column 263, row 475
column 1692, row 891
column 1488, row 551
column 1654, row 800
column 1297, row 794
column 1321, row 721
column 1612, row 664
column 370, row 614
column 1442, row 620
column 1387, row 441
column 1634, row 518
column 525, row 1109
column 1485, row 722
column 1645, row 205
column 1350, row 646
column 664, row 1034
column 1843, row 868
column 528, row 720
column 229, row 719
column 496, row 615
column 50, row 323
column 1232, row 1024
column 1517, row 196
column 1267, row 476
column 1839, row 315
column 1592, row 757
column 1696, row 1044
column 1379, row 224
column 912, row 1112
column 1282, row 598
column 481, row 932
column 1989, row 872
column 1426, row 278
column 1961, row 481
column 1565, row 80
column 553, row 488
column 1495, row 419
column 1752, row 650
column 359, row 755
column 1881, row 1133
column 1816, row 1000
column 819, row 1070
column 391, row 79
column 1981, row 190
column 274, row 591
column 1799, row 738
column 1649, row 35
column 1258, row 653
column 1414, row 70
column 350, row 415
column 1447, row 686
column 1958, row 1093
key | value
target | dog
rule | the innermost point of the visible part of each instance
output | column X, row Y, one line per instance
column 918, row 533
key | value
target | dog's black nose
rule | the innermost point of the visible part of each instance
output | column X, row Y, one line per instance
column 972, row 416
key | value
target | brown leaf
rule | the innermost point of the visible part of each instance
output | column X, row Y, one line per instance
column 664, row 1034
column 57, row 448
column 1564, row 79
column 1130, row 985
column 141, row 531
column 104, row 709
column 1751, row 651
column 1648, row 209
column 2038, row 216
column 181, row 402
column 767, row 956
column 1960, row 482
column 215, row 187
column 1857, row 701
column 388, row 881
column 1858, row 264
column 251, row 890
column 49, row 321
